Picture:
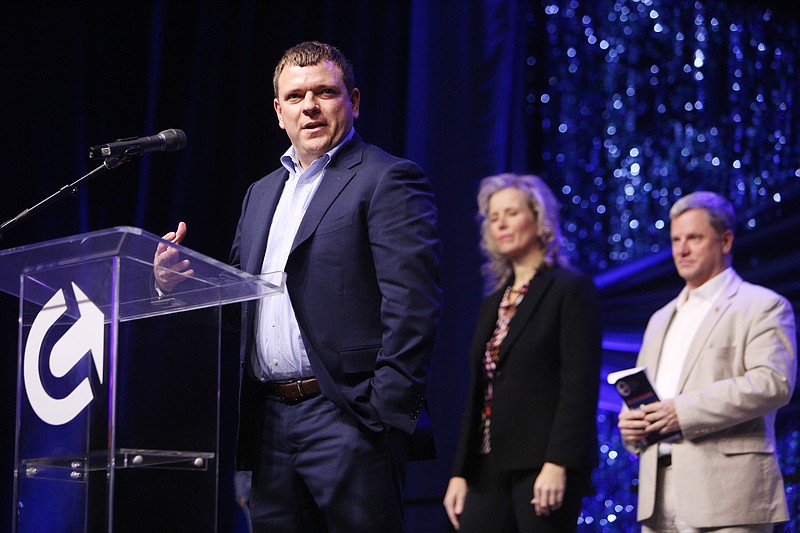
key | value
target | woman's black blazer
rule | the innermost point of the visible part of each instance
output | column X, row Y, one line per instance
column 547, row 378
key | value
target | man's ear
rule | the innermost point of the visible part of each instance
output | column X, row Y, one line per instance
column 727, row 241
column 277, row 106
column 355, row 100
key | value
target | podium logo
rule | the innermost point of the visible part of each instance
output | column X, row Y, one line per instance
column 85, row 335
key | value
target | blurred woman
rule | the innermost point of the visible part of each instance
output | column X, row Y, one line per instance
column 529, row 436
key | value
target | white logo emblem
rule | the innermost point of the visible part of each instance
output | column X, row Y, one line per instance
column 86, row 334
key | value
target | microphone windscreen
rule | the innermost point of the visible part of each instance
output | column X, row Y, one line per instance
column 173, row 140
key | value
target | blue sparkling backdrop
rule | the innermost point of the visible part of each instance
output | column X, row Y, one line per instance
column 637, row 102
column 634, row 103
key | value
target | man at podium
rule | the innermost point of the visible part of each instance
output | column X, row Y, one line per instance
column 334, row 369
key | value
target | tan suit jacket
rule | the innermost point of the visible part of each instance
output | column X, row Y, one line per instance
column 740, row 369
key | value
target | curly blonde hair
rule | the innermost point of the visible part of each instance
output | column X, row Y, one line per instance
column 543, row 204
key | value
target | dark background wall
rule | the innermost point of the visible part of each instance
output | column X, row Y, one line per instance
column 610, row 102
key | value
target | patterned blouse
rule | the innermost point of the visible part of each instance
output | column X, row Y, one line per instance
column 508, row 308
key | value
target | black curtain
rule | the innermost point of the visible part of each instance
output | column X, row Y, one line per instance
column 77, row 74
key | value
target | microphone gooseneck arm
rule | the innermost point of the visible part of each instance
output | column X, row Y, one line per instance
column 71, row 189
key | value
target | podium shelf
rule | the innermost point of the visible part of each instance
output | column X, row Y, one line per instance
column 76, row 467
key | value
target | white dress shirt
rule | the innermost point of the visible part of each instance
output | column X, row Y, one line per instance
column 690, row 311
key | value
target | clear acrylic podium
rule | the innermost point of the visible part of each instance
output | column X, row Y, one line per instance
column 118, row 387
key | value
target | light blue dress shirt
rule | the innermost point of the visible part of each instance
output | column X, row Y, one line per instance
column 280, row 352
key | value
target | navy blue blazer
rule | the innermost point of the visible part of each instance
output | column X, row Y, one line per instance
column 363, row 278
column 547, row 378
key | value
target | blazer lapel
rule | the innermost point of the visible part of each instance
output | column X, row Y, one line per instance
column 337, row 176
column 704, row 332
column 651, row 353
column 527, row 307
column 265, row 211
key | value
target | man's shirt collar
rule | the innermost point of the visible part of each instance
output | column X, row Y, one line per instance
column 708, row 290
column 292, row 164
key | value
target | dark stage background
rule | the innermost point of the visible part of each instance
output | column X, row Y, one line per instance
column 622, row 106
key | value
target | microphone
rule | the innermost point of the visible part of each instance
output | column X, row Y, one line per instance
column 170, row 140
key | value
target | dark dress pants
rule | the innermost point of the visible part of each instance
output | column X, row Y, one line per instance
column 320, row 471
column 499, row 501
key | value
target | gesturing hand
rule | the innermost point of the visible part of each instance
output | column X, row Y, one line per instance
column 168, row 270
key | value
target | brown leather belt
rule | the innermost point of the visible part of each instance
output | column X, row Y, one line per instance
column 292, row 391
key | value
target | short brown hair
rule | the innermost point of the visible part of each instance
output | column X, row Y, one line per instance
column 311, row 53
